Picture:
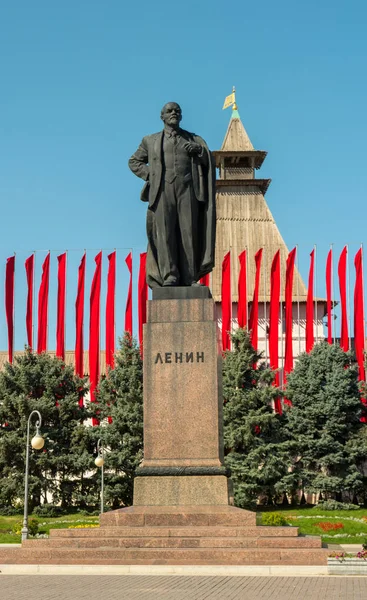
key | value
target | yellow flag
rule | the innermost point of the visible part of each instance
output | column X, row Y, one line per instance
column 229, row 101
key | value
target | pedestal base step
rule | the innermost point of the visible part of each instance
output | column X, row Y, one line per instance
column 175, row 542
column 174, row 516
column 201, row 532
column 174, row 535
column 160, row 556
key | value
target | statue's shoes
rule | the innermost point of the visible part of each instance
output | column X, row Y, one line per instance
column 170, row 282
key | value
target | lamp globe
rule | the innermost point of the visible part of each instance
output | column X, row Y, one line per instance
column 37, row 442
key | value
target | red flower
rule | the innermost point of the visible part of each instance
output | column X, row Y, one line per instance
column 328, row 526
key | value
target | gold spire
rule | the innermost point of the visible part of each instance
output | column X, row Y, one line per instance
column 234, row 106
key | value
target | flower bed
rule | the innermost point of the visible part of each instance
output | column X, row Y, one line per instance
column 328, row 526
column 10, row 527
column 338, row 527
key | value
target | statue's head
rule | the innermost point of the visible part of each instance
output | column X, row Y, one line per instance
column 171, row 114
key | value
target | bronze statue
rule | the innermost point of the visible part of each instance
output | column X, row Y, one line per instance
column 179, row 171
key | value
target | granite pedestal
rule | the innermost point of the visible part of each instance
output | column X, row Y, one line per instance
column 183, row 430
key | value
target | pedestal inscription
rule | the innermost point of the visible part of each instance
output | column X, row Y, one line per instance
column 183, row 447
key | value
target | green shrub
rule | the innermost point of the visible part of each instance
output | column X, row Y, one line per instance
column 335, row 505
column 10, row 511
column 32, row 527
column 17, row 527
column 91, row 512
column 48, row 510
column 273, row 519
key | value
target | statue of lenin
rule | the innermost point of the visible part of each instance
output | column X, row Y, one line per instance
column 179, row 171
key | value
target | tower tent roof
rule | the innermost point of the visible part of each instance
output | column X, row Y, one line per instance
column 236, row 137
column 244, row 221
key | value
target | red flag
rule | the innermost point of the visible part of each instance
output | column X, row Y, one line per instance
column 254, row 314
column 43, row 306
column 129, row 301
column 94, row 330
column 328, row 296
column 205, row 280
column 274, row 323
column 9, row 303
column 29, row 268
column 288, row 358
column 242, row 291
column 359, row 338
column 142, row 295
column 309, row 305
column 226, row 302
column 79, row 321
column 61, row 290
column 110, row 311
column 342, row 273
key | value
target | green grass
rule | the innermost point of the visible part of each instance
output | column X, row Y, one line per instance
column 45, row 524
column 307, row 518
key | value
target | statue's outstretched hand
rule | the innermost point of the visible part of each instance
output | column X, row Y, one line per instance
column 193, row 149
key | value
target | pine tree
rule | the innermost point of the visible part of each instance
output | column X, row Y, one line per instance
column 324, row 422
column 255, row 444
column 40, row 382
column 120, row 397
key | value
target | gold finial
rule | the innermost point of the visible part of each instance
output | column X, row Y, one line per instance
column 234, row 105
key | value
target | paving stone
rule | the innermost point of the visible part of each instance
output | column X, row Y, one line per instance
column 136, row 587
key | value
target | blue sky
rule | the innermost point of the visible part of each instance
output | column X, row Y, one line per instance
column 82, row 81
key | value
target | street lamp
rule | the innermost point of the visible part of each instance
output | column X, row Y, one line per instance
column 37, row 442
column 99, row 462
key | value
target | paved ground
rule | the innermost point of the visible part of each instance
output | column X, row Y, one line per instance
column 136, row 587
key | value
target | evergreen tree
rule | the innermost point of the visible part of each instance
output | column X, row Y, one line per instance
column 324, row 422
column 120, row 397
column 255, row 445
column 40, row 382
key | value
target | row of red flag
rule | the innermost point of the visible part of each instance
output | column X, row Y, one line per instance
column 95, row 309
column 251, row 321
column 244, row 319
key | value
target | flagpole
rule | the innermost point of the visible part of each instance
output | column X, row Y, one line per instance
column 100, row 326
column 364, row 316
column 333, row 291
column 114, row 316
column 65, row 301
column 298, row 313
column 33, row 299
column 315, row 291
column 48, row 302
column 281, row 320
column 246, row 300
column 348, row 301
column 234, row 106
column 13, row 332
column 265, row 315
column 85, row 268
column 230, row 292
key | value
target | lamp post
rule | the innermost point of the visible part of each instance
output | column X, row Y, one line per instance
column 37, row 443
column 99, row 462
